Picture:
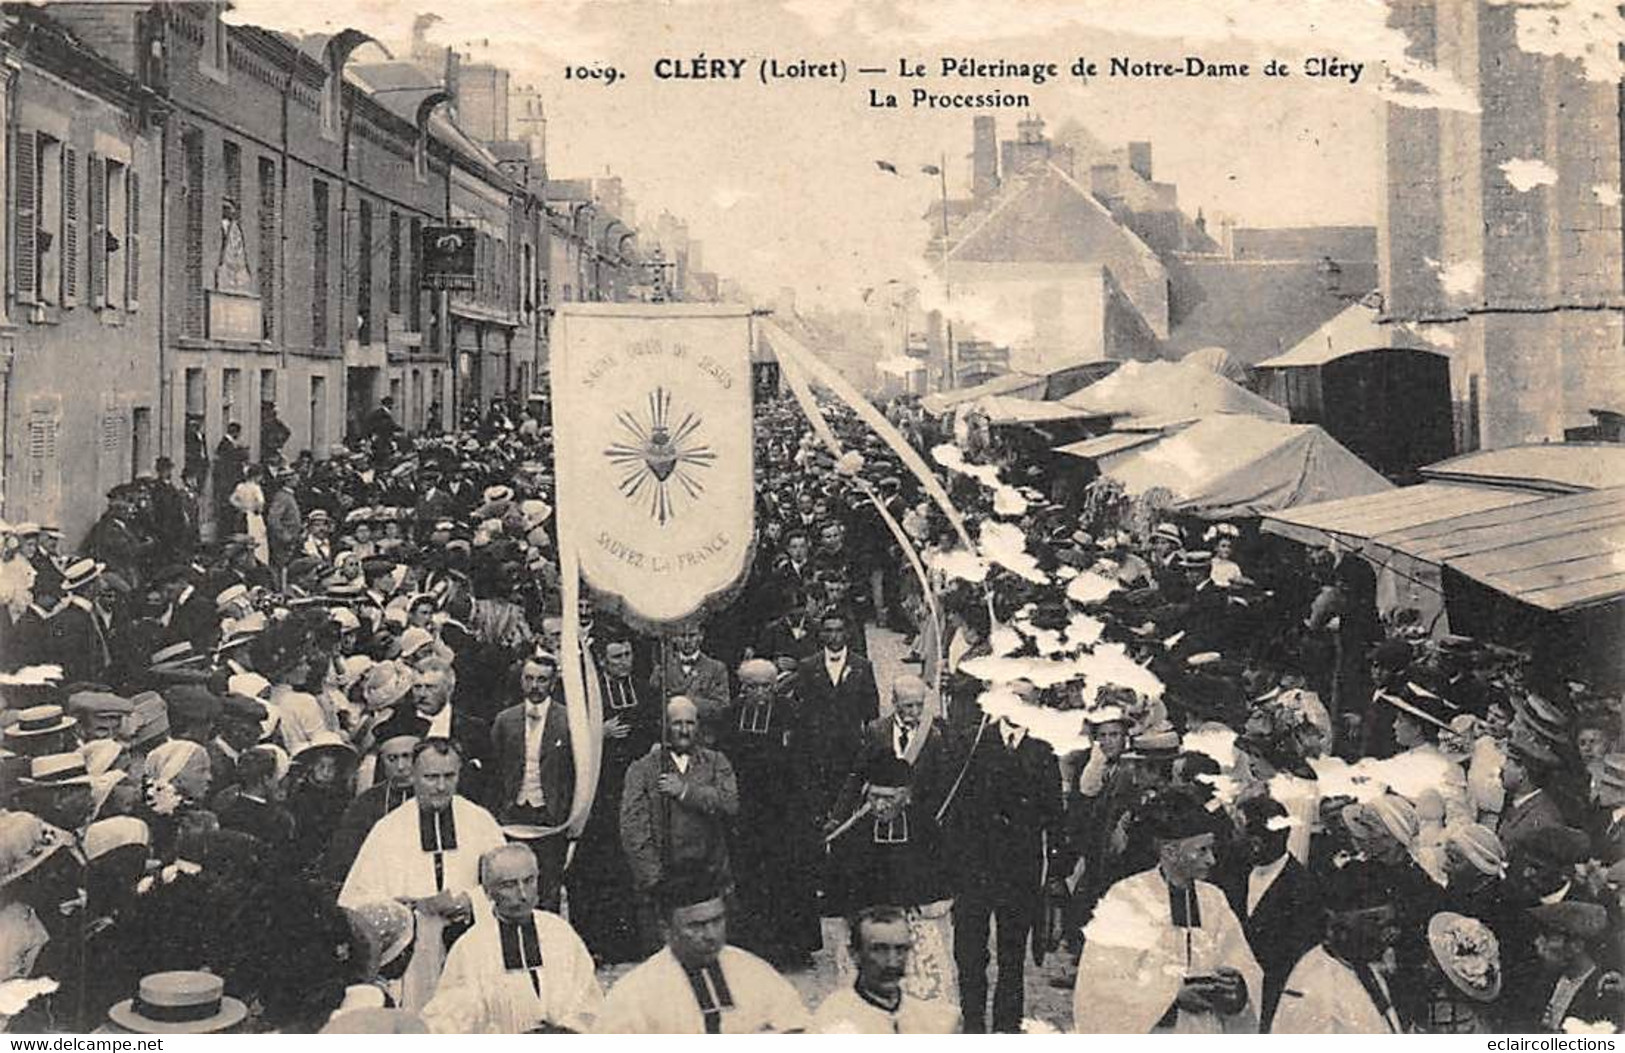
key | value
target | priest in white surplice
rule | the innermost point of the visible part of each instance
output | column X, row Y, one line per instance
column 426, row 854
column 697, row 984
column 1164, row 953
column 518, row 969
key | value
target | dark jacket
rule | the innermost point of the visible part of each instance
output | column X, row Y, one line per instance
column 556, row 766
column 1007, row 807
column 1286, row 923
column 658, row 831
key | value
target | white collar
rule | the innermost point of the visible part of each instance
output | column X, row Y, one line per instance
column 1558, row 896
column 835, row 657
column 1523, row 798
column 1012, row 733
column 1269, row 871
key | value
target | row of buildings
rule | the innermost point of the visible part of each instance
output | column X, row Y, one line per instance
column 1499, row 249
column 208, row 223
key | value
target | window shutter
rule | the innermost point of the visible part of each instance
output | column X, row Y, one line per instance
column 24, row 221
column 97, row 229
column 43, row 469
column 70, row 226
column 132, row 241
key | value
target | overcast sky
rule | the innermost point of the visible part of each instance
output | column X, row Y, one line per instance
column 780, row 183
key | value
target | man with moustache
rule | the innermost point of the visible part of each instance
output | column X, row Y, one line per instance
column 876, row 1003
column 675, row 811
column 534, row 768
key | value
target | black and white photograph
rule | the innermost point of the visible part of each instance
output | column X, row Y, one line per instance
column 844, row 517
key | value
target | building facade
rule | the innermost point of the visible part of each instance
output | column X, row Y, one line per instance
column 79, row 380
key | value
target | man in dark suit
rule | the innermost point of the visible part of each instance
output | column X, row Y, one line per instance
column 431, row 701
column 602, row 906
column 788, row 639
column 1529, row 807
column 251, row 806
column 698, row 677
column 1002, row 827
column 1277, row 900
column 533, row 769
column 838, row 696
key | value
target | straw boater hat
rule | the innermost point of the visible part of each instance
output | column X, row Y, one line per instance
column 80, row 574
column 57, row 769
column 177, row 1003
column 1467, row 953
column 38, row 720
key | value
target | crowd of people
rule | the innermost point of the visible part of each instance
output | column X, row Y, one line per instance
column 292, row 755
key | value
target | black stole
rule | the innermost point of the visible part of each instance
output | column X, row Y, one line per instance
column 437, row 833
column 521, row 949
column 711, row 1006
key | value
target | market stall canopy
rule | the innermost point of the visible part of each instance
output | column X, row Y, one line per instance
column 1231, row 465
column 1218, row 360
column 1019, row 385
column 1558, row 553
column 1562, row 467
column 1171, row 390
column 1004, row 409
column 1374, row 516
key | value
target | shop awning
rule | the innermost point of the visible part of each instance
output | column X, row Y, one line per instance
column 1561, row 467
column 1003, row 409
column 1376, row 515
column 1019, row 385
column 1113, row 442
column 1558, row 554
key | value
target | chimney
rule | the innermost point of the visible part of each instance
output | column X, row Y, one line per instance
column 984, row 157
column 1139, row 160
column 1105, row 184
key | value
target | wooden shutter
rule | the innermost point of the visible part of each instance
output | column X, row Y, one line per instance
column 97, row 229
column 70, row 226
column 132, row 241
column 44, row 474
column 25, row 216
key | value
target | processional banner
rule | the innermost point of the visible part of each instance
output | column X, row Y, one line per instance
column 653, row 439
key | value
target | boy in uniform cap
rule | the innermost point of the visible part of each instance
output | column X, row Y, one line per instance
column 1165, row 953
column 698, row 984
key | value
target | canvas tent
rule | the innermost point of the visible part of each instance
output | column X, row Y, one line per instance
column 1170, row 391
column 1231, row 464
column 1218, row 360
column 1003, row 409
